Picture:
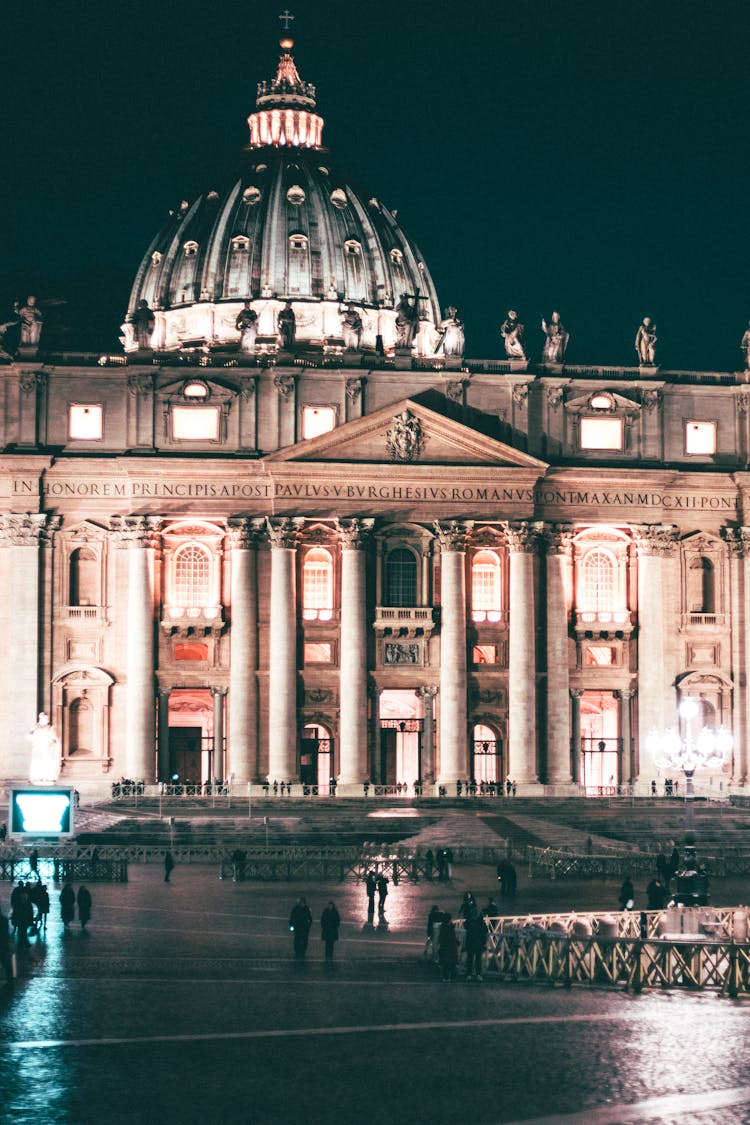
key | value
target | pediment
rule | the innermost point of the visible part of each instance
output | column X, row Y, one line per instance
column 85, row 531
column 618, row 404
column 408, row 433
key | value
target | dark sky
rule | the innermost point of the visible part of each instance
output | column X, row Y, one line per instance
column 590, row 157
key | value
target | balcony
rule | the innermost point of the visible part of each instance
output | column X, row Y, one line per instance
column 192, row 621
column 704, row 620
column 404, row 621
column 603, row 623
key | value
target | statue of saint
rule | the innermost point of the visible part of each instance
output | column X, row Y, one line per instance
column 31, row 323
column 557, row 340
column 333, row 293
column 451, row 330
column 286, row 325
column 406, row 321
column 143, row 325
column 745, row 345
column 645, row 343
column 512, row 332
column 247, row 325
column 351, row 328
column 44, row 768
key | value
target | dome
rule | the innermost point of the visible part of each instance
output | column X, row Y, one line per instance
column 291, row 231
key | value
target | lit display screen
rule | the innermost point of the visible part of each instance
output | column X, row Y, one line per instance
column 41, row 812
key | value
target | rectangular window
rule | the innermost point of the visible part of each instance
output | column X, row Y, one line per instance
column 195, row 423
column 484, row 654
column 318, row 652
column 601, row 655
column 85, row 423
column 700, row 438
column 193, row 651
column 601, row 433
column 317, row 420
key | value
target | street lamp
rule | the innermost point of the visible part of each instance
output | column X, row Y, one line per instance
column 707, row 750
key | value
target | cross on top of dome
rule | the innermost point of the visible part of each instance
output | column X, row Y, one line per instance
column 285, row 105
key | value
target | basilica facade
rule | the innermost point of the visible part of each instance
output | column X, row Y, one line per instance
column 291, row 532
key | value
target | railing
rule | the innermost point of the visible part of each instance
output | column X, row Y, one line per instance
column 553, row 863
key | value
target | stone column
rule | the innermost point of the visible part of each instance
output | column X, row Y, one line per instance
column 559, row 546
column 218, row 761
column 25, row 538
column 522, row 748
column 353, row 652
column 628, row 771
column 427, row 693
column 243, row 652
column 139, row 536
column 162, row 759
column 656, row 698
column 453, row 680
column 576, row 695
column 738, row 542
column 282, row 672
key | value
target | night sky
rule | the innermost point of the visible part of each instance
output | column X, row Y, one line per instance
column 590, row 157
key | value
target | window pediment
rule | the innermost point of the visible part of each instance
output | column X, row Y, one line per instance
column 602, row 403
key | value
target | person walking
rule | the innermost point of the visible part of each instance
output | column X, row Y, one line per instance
column 448, row 948
column 371, row 883
column 22, row 916
column 67, row 904
column 435, row 915
column 168, row 865
column 329, row 929
column 300, row 921
column 475, row 929
column 84, row 906
column 382, row 892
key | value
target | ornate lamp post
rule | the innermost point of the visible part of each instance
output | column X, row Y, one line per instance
column 706, row 751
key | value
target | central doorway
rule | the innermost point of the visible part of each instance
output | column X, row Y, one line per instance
column 601, row 745
column 316, row 763
column 401, row 726
column 191, row 736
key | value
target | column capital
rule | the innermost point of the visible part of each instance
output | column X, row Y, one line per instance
column 576, row 693
column 738, row 541
column 28, row 530
column 136, row 531
column 558, row 538
column 218, row 692
column 243, row 533
column 522, row 537
column 284, row 532
column 657, row 540
column 427, row 691
column 452, row 534
column 353, row 533
column 626, row 693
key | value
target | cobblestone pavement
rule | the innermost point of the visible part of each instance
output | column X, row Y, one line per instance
column 182, row 1004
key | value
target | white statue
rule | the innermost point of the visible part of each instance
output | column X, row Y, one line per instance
column 645, row 343
column 745, row 346
column 31, row 323
column 557, row 340
column 351, row 328
column 247, row 325
column 44, row 768
column 451, row 330
column 512, row 332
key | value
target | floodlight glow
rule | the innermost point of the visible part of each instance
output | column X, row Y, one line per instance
column 41, row 812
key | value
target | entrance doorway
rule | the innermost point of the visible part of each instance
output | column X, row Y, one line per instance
column 601, row 744
column 191, row 736
column 316, row 761
column 487, row 762
column 401, row 727
column 185, row 767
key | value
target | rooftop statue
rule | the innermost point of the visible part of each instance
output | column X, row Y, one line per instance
column 512, row 332
column 556, row 343
column 351, row 328
column 645, row 343
column 44, row 767
column 31, row 323
column 407, row 314
column 287, row 324
column 247, row 325
column 745, row 345
column 451, row 330
column 143, row 325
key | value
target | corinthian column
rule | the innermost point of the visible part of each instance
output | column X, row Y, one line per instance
column 139, row 536
column 522, row 750
column 453, row 716
column 558, row 676
column 656, row 701
column 282, row 678
column 25, row 539
column 243, row 652
column 353, row 656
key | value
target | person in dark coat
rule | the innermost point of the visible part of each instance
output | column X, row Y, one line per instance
column 448, row 949
column 6, row 957
column 84, row 906
column 627, row 894
column 42, row 904
column 329, row 928
column 23, row 915
column 468, row 907
column 168, row 866
column 656, row 894
column 382, row 892
column 300, row 921
column 67, row 904
column 371, row 883
column 476, row 941
column 435, row 915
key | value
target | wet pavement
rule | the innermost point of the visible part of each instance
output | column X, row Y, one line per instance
column 182, row 1003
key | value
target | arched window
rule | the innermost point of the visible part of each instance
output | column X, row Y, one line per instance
column 701, row 586
column 598, row 582
column 83, row 577
column 401, row 578
column 80, row 727
column 486, row 762
column 192, row 570
column 317, row 585
column 299, row 264
column 354, row 271
column 485, row 586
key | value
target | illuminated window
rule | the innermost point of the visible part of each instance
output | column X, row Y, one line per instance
column 317, row 585
column 240, row 244
column 195, row 423
column 318, row 652
column 485, row 586
column 484, row 654
column 85, row 423
column 700, row 438
column 600, row 655
column 192, row 576
column 338, row 198
column 195, row 389
column 190, row 249
column 597, row 585
column 317, row 420
column 601, row 433
column 401, row 578
column 192, row 651
column 251, row 196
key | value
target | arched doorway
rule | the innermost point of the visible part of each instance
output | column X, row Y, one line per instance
column 401, row 726
column 316, row 757
column 601, row 745
column 486, row 762
column 191, row 736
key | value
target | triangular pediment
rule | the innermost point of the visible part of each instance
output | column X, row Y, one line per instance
column 429, row 438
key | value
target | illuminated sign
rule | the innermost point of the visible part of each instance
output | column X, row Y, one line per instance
column 41, row 812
